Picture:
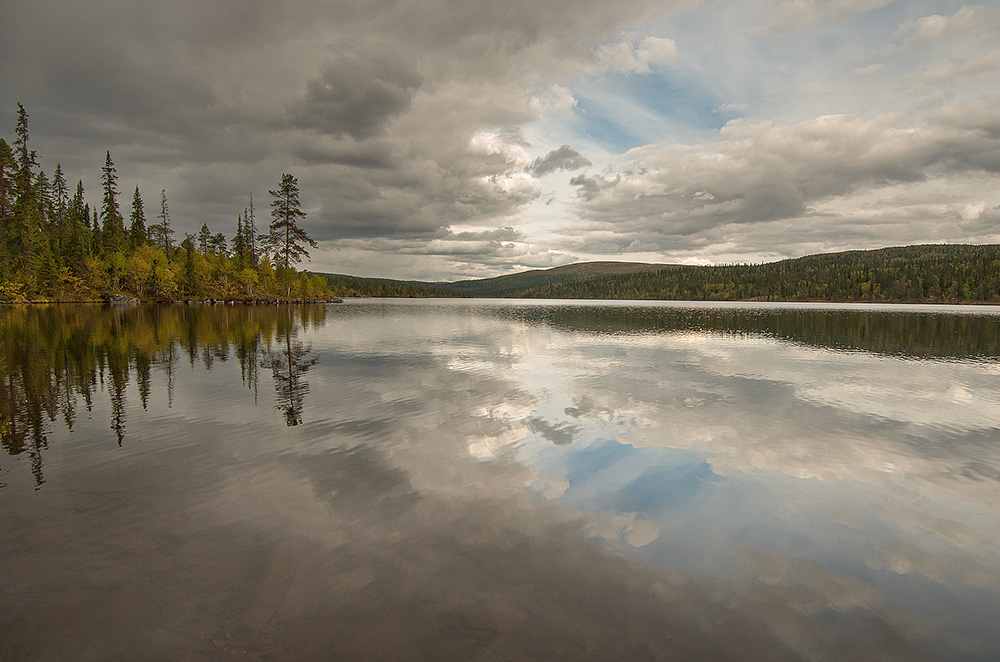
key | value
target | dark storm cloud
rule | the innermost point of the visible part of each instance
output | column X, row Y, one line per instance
column 564, row 158
column 357, row 94
column 500, row 234
column 369, row 154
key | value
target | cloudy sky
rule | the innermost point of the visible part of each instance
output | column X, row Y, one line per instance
column 438, row 139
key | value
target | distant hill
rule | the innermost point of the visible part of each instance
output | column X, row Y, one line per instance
column 934, row 273
column 354, row 286
column 499, row 286
column 513, row 285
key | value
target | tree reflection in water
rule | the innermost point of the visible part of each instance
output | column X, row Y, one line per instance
column 288, row 363
column 54, row 356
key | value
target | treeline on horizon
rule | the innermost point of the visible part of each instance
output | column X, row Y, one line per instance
column 357, row 286
column 54, row 246
column 929, row 273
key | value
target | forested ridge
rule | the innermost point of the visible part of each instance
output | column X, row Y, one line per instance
column 933, row 273
column 55, row 246
column 514, row 284
column 356, row 286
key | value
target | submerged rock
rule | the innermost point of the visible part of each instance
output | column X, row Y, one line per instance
column 120, row 300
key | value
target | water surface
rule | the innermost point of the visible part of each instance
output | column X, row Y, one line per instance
column 500, row 480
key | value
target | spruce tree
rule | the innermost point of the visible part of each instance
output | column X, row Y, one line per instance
column 137, row 221
column 43, row 196
column 286, row 239
column 24, row 222
column 25, row 159
column 189, row 278
column 253, row 239
column 113, row 232
column 159, row 234
column 239, row 240
column 60, row 201
column 7, row 167
column 77, row 204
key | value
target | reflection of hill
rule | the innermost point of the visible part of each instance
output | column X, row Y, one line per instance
column 903, row 334
column 52, row 357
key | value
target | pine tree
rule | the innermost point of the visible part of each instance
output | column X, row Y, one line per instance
column 113, row 233
column 204, row 236
column 286, row 238
column 137, row 221
column 217, row 244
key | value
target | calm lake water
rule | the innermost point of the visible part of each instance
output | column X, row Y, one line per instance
column 500, row 480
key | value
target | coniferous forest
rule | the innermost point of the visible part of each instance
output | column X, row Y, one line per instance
column 56, row 246
column 933, row 273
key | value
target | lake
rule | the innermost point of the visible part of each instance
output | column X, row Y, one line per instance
column 500, row 480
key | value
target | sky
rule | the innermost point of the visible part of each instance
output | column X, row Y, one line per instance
column 444, row 140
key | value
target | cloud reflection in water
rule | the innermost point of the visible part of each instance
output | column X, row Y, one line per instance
column 477, row 480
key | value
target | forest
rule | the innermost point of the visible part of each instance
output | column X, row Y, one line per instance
column 356, row 286
column 55, row 246
column 932, row 273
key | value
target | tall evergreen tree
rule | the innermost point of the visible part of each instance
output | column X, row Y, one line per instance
column 160, row 233
column 113, row 231
column 286, row 239
column 26, row 161
column 77, row 204
column 60, row 200
column 240, row 251
column 189, row 278
column 253, row 239
column 137, row 221
column 217, row 244
column 204, row 236
column 77, row 241
column 24, row 157
column 7, row 167
column 25, row 221
column 43, row 196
